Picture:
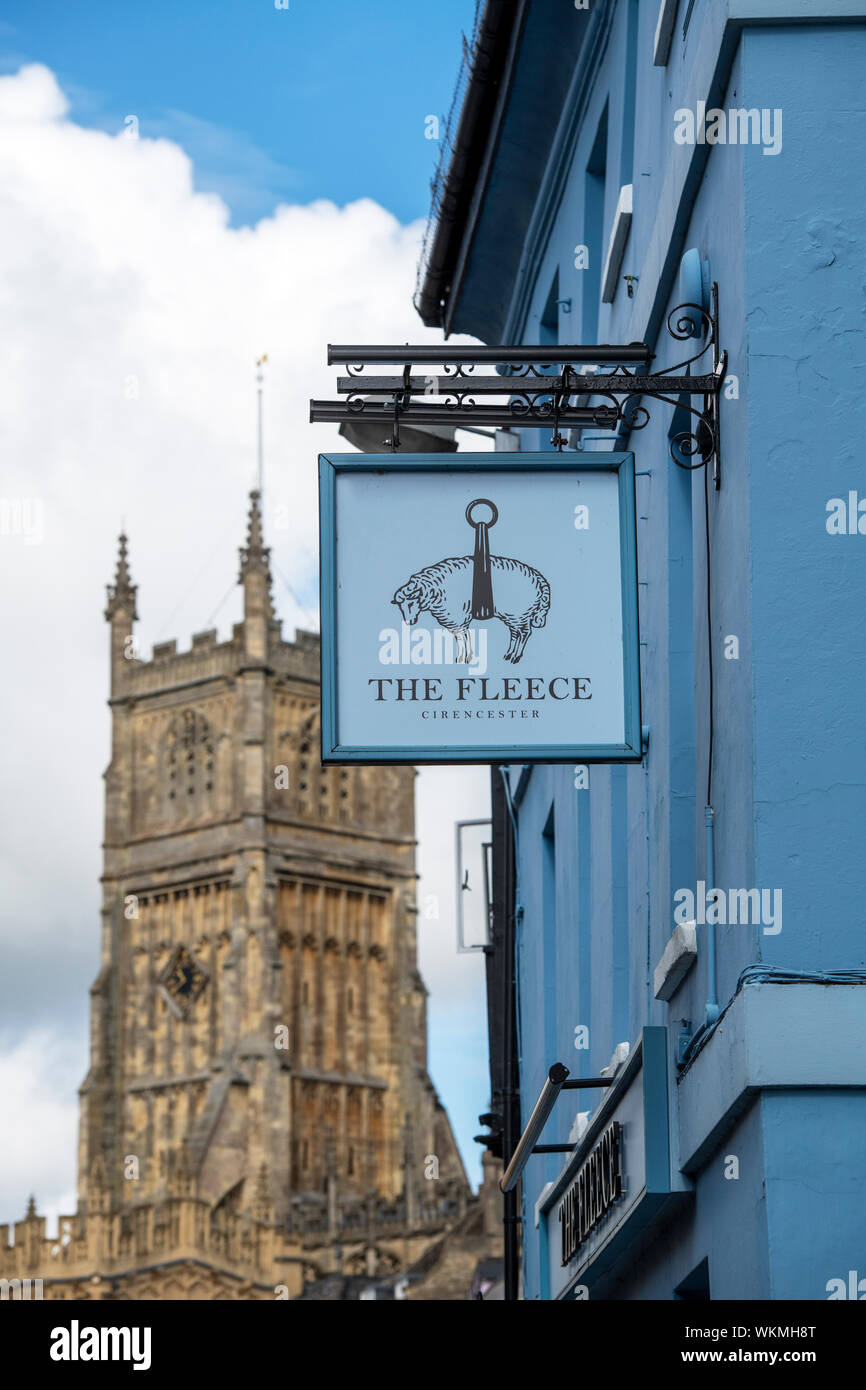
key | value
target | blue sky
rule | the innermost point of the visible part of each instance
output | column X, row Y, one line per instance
column 326, row 99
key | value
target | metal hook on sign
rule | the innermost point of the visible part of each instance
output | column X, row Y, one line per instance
column 482, row 583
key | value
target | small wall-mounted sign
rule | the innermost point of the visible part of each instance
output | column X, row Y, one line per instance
column 595, row 1189
column 479, row 610
column 619, row 1181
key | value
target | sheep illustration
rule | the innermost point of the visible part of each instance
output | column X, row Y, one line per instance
column 521, row 599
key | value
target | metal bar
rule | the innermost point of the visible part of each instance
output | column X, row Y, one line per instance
column 336, row 412
column 554, row 1148
column 529, row 385
column 520, row 353
column 720, row 359
column 587, row 1083
column 502, row 1014
column 535, row 1124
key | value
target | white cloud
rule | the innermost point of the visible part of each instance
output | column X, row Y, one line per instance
column 226, row 162
column 31, row 95
column 132, row 317
column 36, row 1083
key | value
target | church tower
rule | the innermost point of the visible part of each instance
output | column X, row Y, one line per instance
column 257, row 1099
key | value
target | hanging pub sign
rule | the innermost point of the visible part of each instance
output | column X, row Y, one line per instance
column 479, row 610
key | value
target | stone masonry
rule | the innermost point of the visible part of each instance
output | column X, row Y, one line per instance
column 257, row 1110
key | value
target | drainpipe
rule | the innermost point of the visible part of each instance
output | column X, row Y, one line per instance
column 511, row 913
column 712, row 1011
column 712, row 987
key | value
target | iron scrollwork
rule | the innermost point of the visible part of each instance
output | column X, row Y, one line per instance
column 536, row 386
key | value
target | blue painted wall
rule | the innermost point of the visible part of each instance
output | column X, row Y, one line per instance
column 784, row 237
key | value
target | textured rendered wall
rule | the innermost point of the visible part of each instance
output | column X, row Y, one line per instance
column 783, row 235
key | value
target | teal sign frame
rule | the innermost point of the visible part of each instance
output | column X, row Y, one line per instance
column 411, row 537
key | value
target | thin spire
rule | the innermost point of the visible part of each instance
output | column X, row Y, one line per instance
column 255, row 555
column 260, row 379
column 255, row 551
column 121, row 594
column 122, row 577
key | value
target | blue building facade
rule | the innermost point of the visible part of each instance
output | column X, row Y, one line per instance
column 613, row 160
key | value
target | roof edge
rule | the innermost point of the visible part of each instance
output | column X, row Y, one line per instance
column 498, row 23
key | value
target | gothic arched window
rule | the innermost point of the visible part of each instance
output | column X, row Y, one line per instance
column 190, row 750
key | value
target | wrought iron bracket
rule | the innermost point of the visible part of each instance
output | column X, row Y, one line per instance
column 566, row 386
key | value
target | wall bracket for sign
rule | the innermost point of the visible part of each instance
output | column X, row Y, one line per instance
column 601, row 385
